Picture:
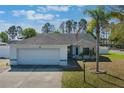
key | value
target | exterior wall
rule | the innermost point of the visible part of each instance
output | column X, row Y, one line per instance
column 13, row 56
column 80, row 50
column 4, row 51
column 14, row 48
column 63, row 55
column 74, row 51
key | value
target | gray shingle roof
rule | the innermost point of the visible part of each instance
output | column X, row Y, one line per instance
column 57, row 39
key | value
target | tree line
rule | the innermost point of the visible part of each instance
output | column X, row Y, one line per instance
column 69, row 26
column 17, row 32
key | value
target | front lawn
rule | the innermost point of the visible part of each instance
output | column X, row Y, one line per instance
column 113, row 78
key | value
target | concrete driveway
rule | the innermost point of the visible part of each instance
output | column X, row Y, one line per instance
column 31, row 77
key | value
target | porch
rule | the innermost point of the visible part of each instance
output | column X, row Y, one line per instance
column 81, row 52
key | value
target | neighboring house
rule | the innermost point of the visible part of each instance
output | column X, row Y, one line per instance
column 104, row 50
column 51, row 49
column 4, row 49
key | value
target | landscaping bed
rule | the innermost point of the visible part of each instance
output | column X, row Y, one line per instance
column 4, row 65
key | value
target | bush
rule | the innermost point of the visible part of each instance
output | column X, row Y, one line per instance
column 29, row 32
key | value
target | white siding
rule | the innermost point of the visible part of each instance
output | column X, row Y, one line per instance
column 14, row 48
column 13, row 55
column 63, row 55
column 4, row 51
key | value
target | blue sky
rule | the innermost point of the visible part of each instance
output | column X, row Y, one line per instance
column 35, row 16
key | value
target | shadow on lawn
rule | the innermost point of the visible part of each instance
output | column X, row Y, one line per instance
column 115, row 77
column 101, row 59
column 90, row 84
column 73, row 65
column 105, row 59
column 111, row 83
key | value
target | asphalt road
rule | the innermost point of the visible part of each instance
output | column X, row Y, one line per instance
column 117, row 51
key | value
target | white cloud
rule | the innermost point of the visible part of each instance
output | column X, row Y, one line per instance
column 18, row 12
column 32, row 15
column 40, row 16
column 58, row 8
column 2, row 12
column 54, row 8
column 41, row 9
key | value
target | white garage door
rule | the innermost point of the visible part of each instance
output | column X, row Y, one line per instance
column 39, row 56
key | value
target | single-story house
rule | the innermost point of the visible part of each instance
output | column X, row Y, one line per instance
column 51, row 49
column 4, row 49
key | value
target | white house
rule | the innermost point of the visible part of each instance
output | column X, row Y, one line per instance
column 50, row 49
column 4, row 49
column 104, row 50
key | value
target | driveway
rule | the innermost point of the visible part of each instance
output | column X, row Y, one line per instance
column 31, row 77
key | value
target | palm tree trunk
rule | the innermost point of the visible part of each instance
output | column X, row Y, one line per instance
column 106, row 38
column 97, row 48
column 97, row 53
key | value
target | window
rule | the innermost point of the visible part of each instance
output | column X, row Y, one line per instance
column 2, row 44
column 86, row 51
column 92, row 52
column 76, row 50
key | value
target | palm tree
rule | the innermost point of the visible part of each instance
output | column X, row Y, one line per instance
column 82, row 24
column 48, row 28
column 62, row 27
column 100, row 19
column 74, row 26
column 69, row 26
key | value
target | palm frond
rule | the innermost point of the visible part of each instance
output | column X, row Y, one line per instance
column 117, row 15
column 91, row 13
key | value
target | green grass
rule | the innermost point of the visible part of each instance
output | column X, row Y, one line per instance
column 115, row 55
column 113, row 78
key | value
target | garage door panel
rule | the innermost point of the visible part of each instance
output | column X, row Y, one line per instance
column 39, row 56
